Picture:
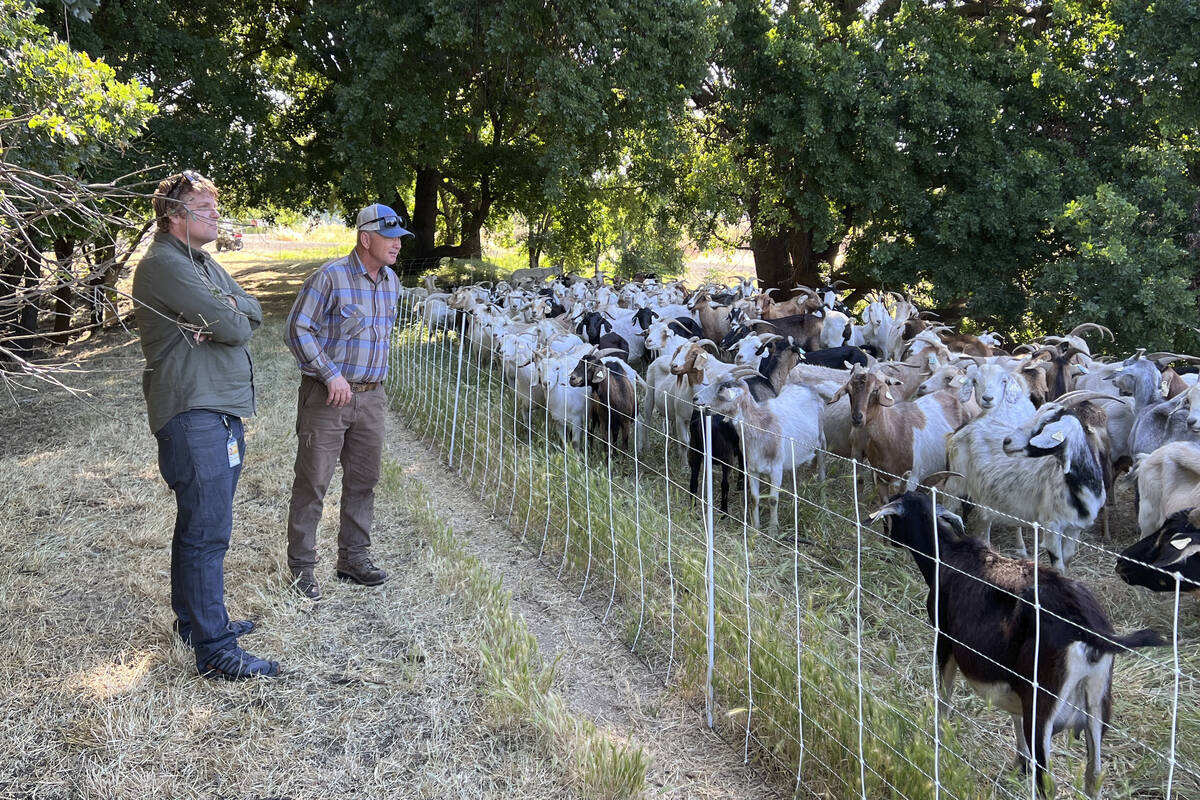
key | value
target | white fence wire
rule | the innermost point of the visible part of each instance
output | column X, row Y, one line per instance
column 809, row 645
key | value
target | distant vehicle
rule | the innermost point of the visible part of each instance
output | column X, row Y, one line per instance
column 228, row 238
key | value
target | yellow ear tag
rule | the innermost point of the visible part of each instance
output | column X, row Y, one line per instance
column 1166, row 385
column 701, row 359
column 1057, row 436
column 958, row 381
column 888, row 395
column 1120, row 368
column 1180, row 544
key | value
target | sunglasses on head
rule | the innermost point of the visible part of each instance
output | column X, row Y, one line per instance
column 189, row 177
column 386, row 223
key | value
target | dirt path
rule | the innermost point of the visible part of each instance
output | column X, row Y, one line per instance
column 596, row 674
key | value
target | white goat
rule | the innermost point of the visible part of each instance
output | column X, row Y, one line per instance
column 1168, row 480
column 778, row 434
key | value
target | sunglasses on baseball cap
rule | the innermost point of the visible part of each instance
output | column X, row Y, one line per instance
column 382, row 220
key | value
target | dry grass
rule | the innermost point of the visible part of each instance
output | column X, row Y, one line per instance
column 387, row 693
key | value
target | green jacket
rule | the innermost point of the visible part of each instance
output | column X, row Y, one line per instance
column 176, row 285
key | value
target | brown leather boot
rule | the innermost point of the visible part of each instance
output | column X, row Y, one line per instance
column 304, row 583
column 364, row 573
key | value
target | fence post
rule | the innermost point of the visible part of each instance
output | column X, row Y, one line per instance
column 862, row 760
column 937, row 628
column 799, row 633
column 462, row 340
column 586, row 474
column 709, row 569
column 749, row 621
column 670, row 563
column 1175, row 698
column 637, row 527
column 1037, row 657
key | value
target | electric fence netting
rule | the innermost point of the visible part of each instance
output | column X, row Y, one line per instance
column 808, row 645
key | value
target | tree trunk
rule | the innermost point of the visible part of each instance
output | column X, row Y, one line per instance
column 784, row 258
column 18, row 320
column 64, row 309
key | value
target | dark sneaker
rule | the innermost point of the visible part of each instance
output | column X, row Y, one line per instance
column 235, row 664
column 305, row 584
column 238, row 627
column 364, row 573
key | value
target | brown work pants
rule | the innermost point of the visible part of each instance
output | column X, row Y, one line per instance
column 352, row 435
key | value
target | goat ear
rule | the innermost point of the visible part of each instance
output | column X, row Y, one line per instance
column 838, row 395
column 965, row 390
column 1050, row 436
column 953, row 520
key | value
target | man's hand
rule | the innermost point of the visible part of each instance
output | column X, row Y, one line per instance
column 339, row 393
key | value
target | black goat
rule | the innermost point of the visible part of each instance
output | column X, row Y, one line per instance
column 726, row 451
column 989, row 629
column 683, row 326
column 1174, row 547
column 615, row 342
column 836, row 357
column 592, row 325
column 803, row 329
column 612, row 401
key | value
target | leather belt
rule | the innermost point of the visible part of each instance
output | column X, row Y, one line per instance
column 364, row 387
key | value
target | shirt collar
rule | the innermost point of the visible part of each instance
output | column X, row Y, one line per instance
column 180, row 245
column 357, row 267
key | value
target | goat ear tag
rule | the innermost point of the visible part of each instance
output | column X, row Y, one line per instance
column 1180, row 544
column 1166, row 386
column 1057, row 436
column 701, row 359
column 888, row 395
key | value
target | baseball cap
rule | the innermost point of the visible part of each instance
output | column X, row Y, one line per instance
column 382, row 220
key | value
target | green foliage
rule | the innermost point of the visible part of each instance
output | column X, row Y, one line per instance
column 60, row 109
column 516, row 107
column 959, row 148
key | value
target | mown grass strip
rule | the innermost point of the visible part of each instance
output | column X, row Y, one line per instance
column 517, row 679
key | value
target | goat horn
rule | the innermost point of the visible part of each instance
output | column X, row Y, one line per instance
column 1078, row 329
column 937, row 477
column 892, row 509
column 769, row 337
column 715, row 347
column 746, row 371
column 837, row 284
column 608, row 351
column 1082, row 395
column 1162, row 359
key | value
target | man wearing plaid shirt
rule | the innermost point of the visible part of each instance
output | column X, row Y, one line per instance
column 339, row 329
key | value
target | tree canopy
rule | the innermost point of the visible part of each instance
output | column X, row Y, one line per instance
column 1026, row 165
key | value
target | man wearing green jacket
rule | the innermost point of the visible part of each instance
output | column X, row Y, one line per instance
column 194, row 323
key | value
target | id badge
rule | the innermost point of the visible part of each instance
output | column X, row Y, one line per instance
column 235, row 457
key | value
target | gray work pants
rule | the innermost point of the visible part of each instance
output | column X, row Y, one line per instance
column 352, row 435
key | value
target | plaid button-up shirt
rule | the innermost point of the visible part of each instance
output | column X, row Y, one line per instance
column 341, row 322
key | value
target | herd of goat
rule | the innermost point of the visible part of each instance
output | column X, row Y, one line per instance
column 1040, row 433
